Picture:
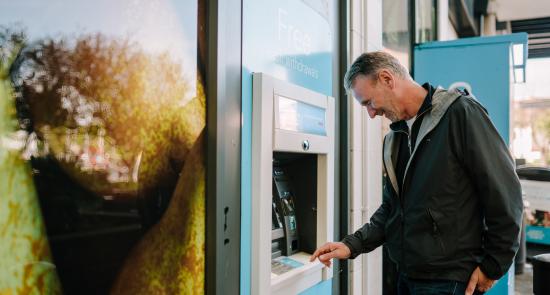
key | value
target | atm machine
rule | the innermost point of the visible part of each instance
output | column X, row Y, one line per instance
column 292, row 185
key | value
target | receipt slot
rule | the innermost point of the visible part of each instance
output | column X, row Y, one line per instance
column 292, row 185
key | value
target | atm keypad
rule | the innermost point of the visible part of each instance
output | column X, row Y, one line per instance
column 284, row 264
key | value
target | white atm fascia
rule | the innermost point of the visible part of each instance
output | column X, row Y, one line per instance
column 268, row 137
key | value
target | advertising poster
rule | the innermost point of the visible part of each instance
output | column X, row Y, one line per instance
column 102, row 119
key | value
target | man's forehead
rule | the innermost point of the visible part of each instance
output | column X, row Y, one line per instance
column 361, row 84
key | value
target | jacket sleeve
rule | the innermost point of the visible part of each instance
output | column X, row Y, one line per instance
column 371, row 235
column 491, row 167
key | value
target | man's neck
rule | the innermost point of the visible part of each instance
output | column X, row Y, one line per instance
column 416, row 95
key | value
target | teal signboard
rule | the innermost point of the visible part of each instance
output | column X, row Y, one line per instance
column 290, row 40
column 482, row 65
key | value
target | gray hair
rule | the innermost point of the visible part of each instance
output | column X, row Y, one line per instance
column 369, row 64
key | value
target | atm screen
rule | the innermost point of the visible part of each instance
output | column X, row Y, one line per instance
column 301, row 117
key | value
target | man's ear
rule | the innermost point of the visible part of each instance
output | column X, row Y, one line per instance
column 386, row 78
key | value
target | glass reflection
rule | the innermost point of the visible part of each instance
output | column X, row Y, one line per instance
column 425, row 21
column 101, row 147
column 395, row 29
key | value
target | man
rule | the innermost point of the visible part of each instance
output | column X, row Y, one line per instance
column 451, row 210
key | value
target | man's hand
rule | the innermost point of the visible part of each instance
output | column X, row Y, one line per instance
column 331, row 250
column 479, row 281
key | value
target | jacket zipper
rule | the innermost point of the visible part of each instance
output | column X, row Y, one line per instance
column 436, row 232
column 402, row 267
column 410, row 147
column 408, row 139
column 401, row 199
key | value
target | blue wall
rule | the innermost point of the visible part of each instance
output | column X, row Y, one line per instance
column 290, row 40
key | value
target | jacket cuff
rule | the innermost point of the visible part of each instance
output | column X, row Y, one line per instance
column 354, row 245
column 490, row 268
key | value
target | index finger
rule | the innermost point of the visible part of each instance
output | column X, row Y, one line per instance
column 319, row 251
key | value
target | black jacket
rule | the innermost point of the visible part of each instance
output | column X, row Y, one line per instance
column 460, row 206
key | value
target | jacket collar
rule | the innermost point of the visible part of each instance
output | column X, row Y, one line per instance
column 441, row 101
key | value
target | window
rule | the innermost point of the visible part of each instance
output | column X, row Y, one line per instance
column 426, row 21
column 395, row 30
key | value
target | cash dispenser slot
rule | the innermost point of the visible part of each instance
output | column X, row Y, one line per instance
column 294, row 212
column 285, row 210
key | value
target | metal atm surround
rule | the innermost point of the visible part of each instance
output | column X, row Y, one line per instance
column 269, row 141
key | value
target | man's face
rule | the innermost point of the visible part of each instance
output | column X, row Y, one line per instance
column 376, row 96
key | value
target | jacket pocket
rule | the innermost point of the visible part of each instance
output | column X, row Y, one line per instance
column 437, row 233
column 443, row 232
column 431, row 238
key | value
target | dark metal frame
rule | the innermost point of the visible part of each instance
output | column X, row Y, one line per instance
column 341, row 210
column 412, row 34
column 223, row 162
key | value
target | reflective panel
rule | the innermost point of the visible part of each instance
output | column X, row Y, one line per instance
column 395, row 30
column 101, row 155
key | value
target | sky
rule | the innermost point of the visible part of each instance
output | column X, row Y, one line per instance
column 157, row 25
column 537, row 83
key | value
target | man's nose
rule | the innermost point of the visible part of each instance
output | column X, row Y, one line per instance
column 372, row 112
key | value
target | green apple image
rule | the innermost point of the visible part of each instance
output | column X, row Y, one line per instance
column 26, row 265
column 170, row 257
